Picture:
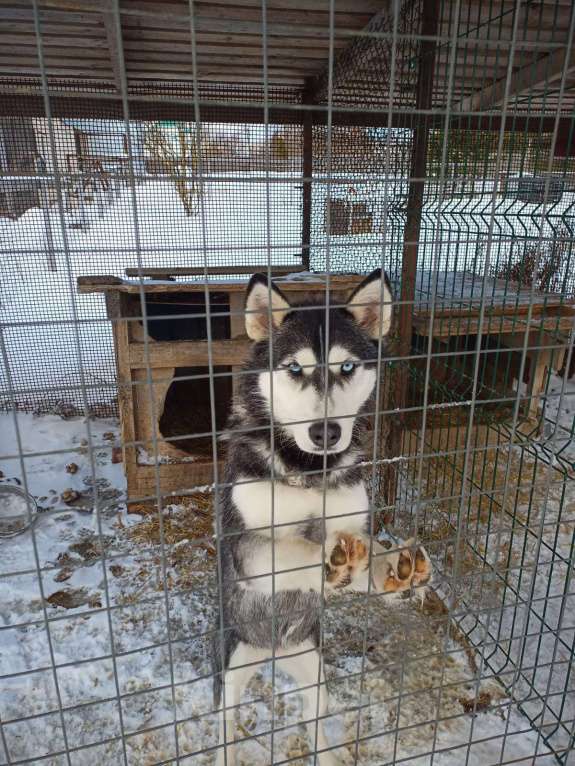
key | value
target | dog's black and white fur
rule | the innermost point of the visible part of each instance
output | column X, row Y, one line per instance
column 278, row 564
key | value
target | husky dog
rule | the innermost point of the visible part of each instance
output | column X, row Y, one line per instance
column 294, row 514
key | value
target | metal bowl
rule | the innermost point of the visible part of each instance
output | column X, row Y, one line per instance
column 18, row 510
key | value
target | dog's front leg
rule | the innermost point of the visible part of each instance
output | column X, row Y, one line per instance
column 295, row 563
column 287, row 563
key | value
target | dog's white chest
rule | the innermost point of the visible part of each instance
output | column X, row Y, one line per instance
column 263, row 505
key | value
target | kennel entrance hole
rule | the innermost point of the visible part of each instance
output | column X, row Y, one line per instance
column 187, row 408
column 182, row 316
column 187, row 405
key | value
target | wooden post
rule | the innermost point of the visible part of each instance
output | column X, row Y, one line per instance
column 237, row 329
column 44, row 195
column 412, row 230
column 117, row 311
column 307, row 169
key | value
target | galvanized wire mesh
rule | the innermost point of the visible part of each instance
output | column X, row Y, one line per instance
column 431, row 139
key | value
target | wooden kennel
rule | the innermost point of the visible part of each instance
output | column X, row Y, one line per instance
column 164, row 397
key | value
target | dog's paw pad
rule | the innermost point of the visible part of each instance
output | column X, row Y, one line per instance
column 349, row 555
column 422, row 573
column 407, row 569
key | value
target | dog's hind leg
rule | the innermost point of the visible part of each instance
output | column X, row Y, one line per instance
column 241, row 665
column 305, row 666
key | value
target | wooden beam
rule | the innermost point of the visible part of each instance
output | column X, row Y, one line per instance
column 284, row 20
column 108, row 283
column 418, row 171
column 79, row 104
column 114, row 48
column 193, row 353
column 184, row 271
column 307, row 170
column 417, row 174
column 529, row 77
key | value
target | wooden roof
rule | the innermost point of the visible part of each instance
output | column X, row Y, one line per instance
column 87, row 49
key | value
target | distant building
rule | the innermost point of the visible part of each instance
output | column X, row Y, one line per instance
column 104, row 144
column 18, row 152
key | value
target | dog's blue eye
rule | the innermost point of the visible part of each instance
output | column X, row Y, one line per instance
column 347, row 368
column 295, row 368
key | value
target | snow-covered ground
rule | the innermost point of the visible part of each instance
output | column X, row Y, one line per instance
column 46, row 349
column 126, row 622
column 504, row 541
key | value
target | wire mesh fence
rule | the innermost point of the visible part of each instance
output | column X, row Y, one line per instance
column 237, row 508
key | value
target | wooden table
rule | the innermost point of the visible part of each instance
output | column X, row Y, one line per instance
column 506, row 317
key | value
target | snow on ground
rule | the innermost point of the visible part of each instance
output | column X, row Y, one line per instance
column 103, row 589
column 46, row 349
column 506, row 552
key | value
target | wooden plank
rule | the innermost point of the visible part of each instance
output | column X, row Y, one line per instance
column 539, row 362
column 51, row 15
column 237, row 315
column 183, row 271
column 528, row 77
column 97, row 50
column 467, row 287
column 307, row 170
column 114, row 48
column 208, row 25
column 237, row 329
column 188, row 353
column 285, row 13
column 207, row 40
column 138, row 49
column 135, row 35
column 76, row 35
column 79, row 103
column 551, row 331
column 165, row 61
column 176, row 479
column 352, row 6
column 105, row 284
column 179, row 12
column 71, row 62
column 550, row 307
column 217, row 73
column 226, row 23
column 54, row 71
column 509, row 324
column 125, row 389
column 58, row 43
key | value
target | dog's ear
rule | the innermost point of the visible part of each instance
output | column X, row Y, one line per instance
column 258, row 298
column 371, row 305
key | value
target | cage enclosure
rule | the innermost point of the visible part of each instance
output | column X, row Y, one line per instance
column 154, row 155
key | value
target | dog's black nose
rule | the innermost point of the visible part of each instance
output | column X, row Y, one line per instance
column 332, row 432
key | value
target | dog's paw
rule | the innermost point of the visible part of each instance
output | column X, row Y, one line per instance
column 402, row 569
column 422, row 567
column 348, row 556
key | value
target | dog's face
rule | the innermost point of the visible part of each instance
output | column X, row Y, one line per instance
column 322, row 377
